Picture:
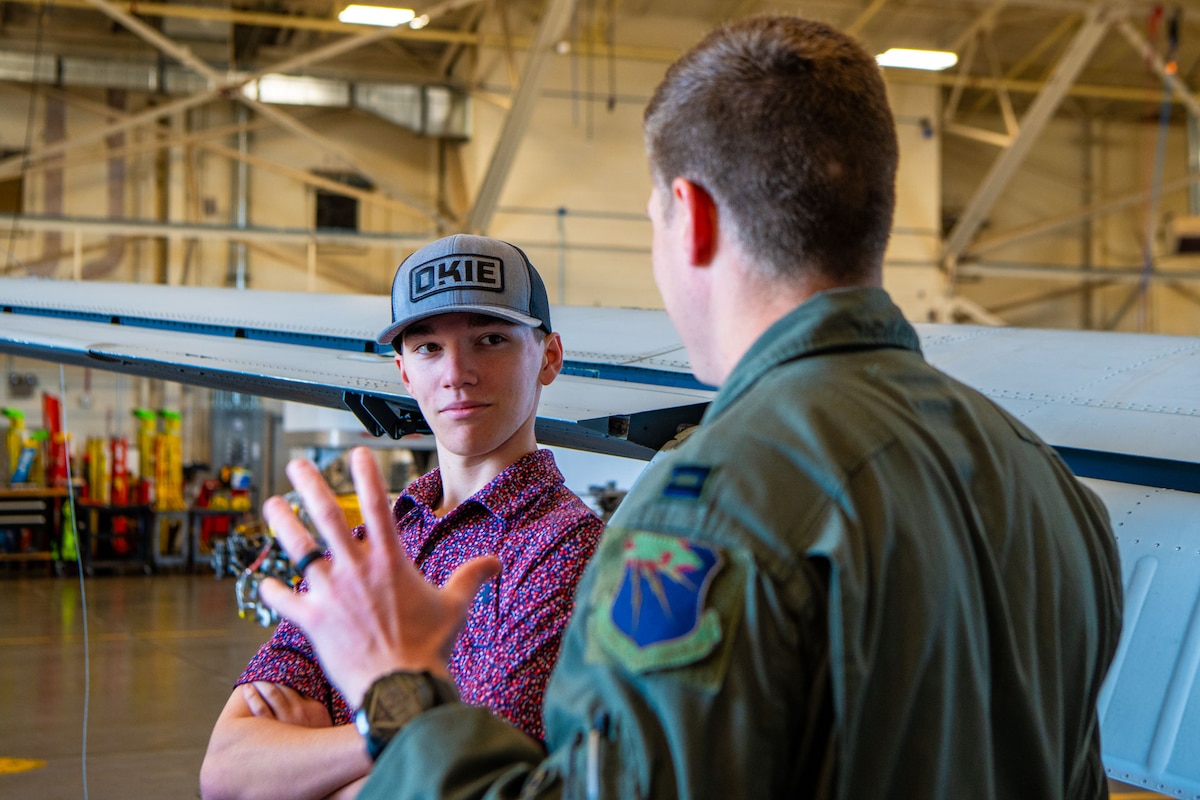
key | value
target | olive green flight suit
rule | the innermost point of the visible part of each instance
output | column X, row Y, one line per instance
column 857, row 578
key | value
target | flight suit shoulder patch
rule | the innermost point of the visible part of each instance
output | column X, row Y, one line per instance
column 657, row 612
column 686, row 481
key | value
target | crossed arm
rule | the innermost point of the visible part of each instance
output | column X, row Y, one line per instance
column 273, row 742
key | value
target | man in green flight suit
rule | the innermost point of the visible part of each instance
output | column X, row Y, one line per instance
column 857, row 579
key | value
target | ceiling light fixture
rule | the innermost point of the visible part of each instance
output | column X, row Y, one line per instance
column 917, row 59
column 419, row 22
column 376, row 15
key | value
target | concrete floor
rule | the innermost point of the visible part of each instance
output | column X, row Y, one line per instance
column 164, row 652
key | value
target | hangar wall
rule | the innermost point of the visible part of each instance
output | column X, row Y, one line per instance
column 1086, row 272
column 574, row 198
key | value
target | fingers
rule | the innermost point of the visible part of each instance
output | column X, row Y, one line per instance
column 286, row 602
column 373, row 502
column 255, row 702
column 267, row 699
column 288, row 529
column 320, row 503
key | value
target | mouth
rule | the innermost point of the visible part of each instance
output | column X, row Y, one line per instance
column 462, row 409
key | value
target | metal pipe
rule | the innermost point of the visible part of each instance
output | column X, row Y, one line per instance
column 554, row 22
column 1193, row 146
column 240, row 202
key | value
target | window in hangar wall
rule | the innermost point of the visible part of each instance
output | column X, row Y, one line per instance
column 339, row 211
column 12, row 190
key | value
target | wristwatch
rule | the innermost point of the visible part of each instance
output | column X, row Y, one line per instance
column 393, row 701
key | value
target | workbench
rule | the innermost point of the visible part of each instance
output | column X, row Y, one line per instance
column 30, row 524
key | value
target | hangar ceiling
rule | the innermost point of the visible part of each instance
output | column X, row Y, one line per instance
column 1023, row 62
column 1013, row 46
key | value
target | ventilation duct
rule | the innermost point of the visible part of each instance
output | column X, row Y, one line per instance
column 437, row 111
column 1183, row 235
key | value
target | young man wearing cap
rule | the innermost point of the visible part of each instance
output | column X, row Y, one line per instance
column 471, row 330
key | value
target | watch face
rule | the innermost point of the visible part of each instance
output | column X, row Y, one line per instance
column 391, row 702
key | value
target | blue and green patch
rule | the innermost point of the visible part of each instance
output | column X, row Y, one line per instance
column 657, row 613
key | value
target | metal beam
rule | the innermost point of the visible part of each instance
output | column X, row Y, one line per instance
column 1044, row 297
column 1151, row 56
column 1006, row 108
column 1092, row 91
column 1061, row 29
column 1095, row 25
column 554, row 22
column 978, row 134
column 860, row 22
column 281, row 118
column 228, row 85
column 1070, row 272
column 983, row 22
column 118, row 227
column 202, row 139
column 959, row 79
column 1042, row 227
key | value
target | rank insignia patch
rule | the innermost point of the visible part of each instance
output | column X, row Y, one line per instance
column 658, row 617
column 687, row 480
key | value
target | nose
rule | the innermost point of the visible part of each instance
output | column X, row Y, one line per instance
column 458, row 368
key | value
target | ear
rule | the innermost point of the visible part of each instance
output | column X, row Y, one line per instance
column 700, row 220
column 403, row 373
column 552, row 359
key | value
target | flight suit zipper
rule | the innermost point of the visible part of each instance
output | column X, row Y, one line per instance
column 598, row 732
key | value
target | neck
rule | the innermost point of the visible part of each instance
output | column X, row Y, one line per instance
column 463, row 476
column 748, row 303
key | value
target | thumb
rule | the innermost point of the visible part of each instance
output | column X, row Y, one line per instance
column 464, row 583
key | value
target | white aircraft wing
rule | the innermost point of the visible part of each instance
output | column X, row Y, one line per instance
column 625, row 388
column 1122, row 409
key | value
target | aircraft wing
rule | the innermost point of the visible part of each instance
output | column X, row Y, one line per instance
column 1122, row 409
column 626, row 387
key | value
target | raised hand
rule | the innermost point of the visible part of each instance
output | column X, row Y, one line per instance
column 368, row 611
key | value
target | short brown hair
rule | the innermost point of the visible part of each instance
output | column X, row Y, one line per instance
column 785, row 122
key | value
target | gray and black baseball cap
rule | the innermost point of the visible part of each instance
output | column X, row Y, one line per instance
column 468, row 273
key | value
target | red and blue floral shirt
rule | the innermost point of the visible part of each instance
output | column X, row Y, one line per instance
column 544, row 536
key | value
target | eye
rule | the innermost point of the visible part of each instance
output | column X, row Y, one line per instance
column 493, row 338
column 425, row 348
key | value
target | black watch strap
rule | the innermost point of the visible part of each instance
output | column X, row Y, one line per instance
column 396, row 699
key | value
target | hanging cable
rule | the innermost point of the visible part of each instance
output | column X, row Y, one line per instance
column 87, row 661
column 611, row 41
column 574, row 45
column 1160, row 155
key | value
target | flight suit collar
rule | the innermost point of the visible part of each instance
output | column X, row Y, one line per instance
column 855, row 318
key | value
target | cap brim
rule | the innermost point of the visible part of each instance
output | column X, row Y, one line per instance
column 389, row 334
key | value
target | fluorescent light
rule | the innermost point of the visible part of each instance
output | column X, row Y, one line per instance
column 917, row 59
column 376, row 15
column 419, row 22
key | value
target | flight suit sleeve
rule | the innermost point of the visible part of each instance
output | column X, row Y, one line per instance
column 690, row 668
column 461, row 752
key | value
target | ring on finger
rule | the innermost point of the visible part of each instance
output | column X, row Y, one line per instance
column 307, row 559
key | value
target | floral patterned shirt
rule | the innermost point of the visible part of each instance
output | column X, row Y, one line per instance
column 544, row 536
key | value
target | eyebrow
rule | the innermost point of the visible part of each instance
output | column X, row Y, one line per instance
column 474, row 321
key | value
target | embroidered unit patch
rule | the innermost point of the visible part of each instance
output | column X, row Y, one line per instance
column 687, row 480
column 658, row 617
